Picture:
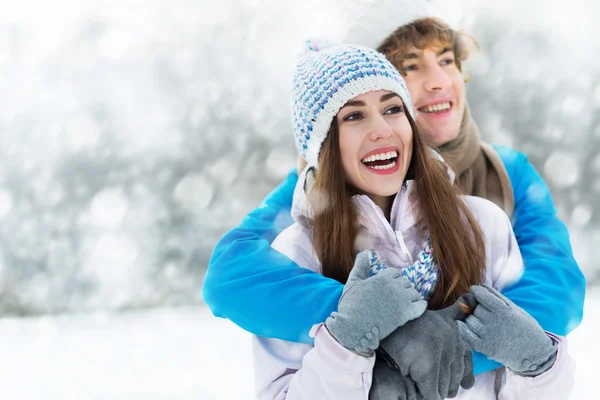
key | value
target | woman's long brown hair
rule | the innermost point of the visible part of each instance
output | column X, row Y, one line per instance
column 458, row 244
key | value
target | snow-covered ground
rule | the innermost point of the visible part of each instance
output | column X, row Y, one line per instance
column 171, row 354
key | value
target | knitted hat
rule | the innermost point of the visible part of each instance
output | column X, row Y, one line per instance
column 369, row 22
column 326, row 78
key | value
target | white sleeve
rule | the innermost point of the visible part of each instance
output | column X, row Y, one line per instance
column 504, row 264
column 554, row 384
column 294, row 371
column 295, row 242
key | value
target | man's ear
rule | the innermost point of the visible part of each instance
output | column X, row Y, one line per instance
column 300, row 164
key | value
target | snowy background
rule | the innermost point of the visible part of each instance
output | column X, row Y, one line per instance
column 133, row 134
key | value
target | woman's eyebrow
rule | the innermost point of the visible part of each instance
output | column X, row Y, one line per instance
column 388, row 96
column 354, row 103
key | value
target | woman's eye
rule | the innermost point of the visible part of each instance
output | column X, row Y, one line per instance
column 408, row 68
column 353, row 117
column 393, row 110
column 447, row 61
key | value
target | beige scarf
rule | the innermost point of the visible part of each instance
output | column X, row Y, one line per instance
column 479, row 167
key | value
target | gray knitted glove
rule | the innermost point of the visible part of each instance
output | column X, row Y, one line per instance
column 390, row 384
column 373, row 307
column 506, row 333
column 431, row 351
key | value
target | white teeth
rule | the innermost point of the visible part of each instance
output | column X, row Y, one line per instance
column 389, row 166
column 381, row 156
column 436, row 107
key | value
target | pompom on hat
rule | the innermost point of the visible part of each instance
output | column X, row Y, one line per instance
column 327, row 76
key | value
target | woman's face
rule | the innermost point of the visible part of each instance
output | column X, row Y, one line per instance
column 375, row 143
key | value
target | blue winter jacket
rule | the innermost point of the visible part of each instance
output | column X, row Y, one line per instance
column 267, row 294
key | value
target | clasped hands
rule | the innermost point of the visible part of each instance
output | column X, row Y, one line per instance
column 427, row 354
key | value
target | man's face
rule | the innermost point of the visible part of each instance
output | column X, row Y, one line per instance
column 437, row 89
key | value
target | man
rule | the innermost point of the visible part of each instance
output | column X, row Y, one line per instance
column 250, row 283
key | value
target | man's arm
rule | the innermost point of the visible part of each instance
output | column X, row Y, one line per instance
column 260, row 289
column 552, row 287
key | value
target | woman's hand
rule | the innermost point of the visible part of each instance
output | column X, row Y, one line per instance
column 373, row 307
column 506, row 333
column 389, row 383
column 431, row 351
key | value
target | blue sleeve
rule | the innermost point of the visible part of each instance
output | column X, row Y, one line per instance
column 552, row 287
column 258, row 288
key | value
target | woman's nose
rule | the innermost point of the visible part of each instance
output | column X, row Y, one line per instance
column 380, row 129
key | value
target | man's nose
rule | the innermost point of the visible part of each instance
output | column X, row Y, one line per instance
column 437, row 79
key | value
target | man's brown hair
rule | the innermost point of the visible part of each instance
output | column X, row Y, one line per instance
column 427, row 33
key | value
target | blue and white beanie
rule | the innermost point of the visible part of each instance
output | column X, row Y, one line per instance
column 326, row 78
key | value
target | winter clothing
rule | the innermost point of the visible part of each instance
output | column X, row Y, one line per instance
column 423, row 273
column 479, row 168
column 431, row 349
column 326, row 78
column 388, row 383
column 504, row 332
column 327, row 370
column 372, row 307
column 245, row 274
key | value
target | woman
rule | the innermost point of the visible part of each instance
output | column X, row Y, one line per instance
column 378, row 186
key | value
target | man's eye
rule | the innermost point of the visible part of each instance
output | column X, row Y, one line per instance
column 353, row 117
column 407, row 68
column 393, row 110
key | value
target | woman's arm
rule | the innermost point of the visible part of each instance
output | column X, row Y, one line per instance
column 504, row 264
column 294, row 371
column 538, row 365
column 341, row 363
column 327, row 370
column 552, row 288
column 554, row 384
column 550, row 267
